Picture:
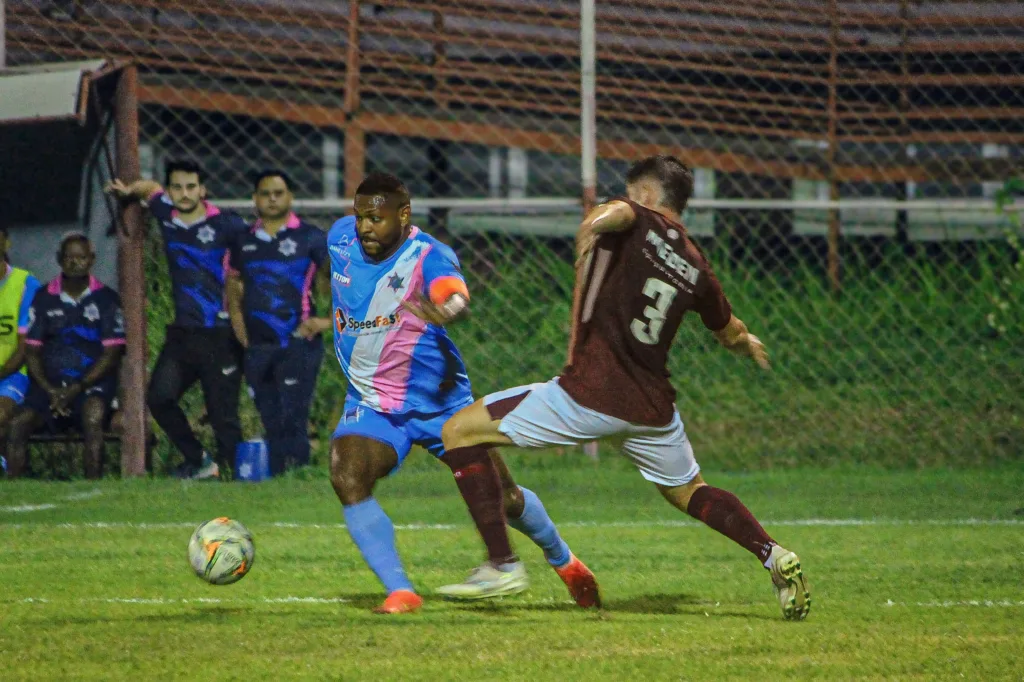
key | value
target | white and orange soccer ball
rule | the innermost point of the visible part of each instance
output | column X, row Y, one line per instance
column 221, row 551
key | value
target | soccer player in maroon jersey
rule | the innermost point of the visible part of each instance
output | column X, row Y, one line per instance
column 637, row 273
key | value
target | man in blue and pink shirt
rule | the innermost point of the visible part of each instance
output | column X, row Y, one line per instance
column 74, row 342
column 270, row 298
column 200, row 346
column 394, row 288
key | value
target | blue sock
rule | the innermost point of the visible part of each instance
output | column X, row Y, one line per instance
column 538, row 526
column 374, row 535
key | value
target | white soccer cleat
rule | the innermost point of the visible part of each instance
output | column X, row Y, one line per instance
column 789, row 584
column 487, row 582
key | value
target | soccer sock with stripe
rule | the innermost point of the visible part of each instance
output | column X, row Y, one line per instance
column 480, row 485
column 538, row 526
column 724, row 512
column 374, row 534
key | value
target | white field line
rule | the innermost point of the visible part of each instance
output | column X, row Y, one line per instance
column 21, row 508
column 76, row 497
column 199, row 600
column 568, row 524
column 949, row 604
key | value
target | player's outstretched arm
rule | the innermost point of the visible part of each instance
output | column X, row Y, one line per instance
column 140, row 190
column 736, row 338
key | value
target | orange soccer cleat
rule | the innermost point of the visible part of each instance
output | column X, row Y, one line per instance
column 400, row 601
column 581, row 583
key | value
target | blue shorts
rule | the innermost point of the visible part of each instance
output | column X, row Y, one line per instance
column 400, row 431
column 14, row 386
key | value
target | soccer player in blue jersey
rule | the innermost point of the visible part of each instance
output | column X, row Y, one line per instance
column 17, row 288
column 270, row 298
column 74, row 343
column 200, row 345
column 394, row 289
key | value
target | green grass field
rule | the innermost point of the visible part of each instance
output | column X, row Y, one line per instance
column 915, row 575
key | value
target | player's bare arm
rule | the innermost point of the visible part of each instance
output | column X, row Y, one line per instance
column 614, row 216
column 140, row 190
column 236, row 294
column 315, row 326
column 736, row 338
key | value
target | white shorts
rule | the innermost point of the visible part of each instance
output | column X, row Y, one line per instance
column 543, row 415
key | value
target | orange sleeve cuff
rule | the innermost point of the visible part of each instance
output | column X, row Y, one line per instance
column 442, row 288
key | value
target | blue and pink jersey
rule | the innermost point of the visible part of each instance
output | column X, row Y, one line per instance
column 198, row 259
column 73, row 332
column 278, row 273
column 395, row 363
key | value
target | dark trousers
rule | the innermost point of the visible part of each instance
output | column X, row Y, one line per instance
column 282, row 382
column 213, row 357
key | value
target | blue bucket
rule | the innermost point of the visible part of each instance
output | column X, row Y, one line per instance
column 252, row 463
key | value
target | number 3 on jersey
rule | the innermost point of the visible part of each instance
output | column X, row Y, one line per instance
column 647, row 331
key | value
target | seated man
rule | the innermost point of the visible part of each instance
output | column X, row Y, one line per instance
column 17, row 287
column 75, row 339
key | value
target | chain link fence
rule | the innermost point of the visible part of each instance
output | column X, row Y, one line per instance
column 853, row 162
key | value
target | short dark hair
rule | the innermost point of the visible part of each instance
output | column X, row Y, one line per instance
column 674, row 176
column 70, row 238
column 271, row 173
column 183, row 166
column 386, row 184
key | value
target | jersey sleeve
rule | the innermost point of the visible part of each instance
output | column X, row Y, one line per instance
column 32, row 285
column 712, row 305
column 112, row 321
column 37, row 319
column 160, row 206
column 442, row 275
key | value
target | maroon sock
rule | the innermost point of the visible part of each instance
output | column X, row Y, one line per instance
column 480, row 485
column 724, row 512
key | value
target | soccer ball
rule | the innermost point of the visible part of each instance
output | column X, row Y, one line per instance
column 221, row 551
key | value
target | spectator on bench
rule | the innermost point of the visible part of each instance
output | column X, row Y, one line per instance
column 74, row 345
column 17, row 287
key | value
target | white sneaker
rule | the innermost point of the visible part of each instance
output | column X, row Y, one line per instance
column 208, row 469
column 789, row 584
column 487, row 582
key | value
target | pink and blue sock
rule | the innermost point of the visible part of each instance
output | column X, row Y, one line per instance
column 538, row 526
column 374, row 534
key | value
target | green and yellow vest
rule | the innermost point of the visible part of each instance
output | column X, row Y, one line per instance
column 11, row 292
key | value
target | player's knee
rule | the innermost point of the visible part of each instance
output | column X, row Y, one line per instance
column 92, row 421
column 350, row 478
column 21, row 426
column 454, row 433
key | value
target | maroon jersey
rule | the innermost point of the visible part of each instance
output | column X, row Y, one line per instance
column 637, row 287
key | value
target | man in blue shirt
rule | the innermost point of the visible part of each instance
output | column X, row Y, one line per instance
column 17, row 288
column 74, row 343
column 270, row 298
column 200, row 346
